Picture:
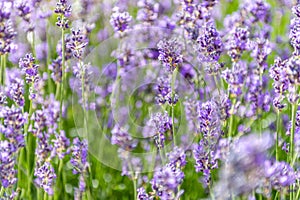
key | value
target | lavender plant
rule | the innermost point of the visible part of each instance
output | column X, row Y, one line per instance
column 148, row 99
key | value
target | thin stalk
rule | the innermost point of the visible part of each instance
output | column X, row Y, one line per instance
column 62, row 89
column 231, row 119
column 298, row 194
column 277, row 134
column 45, row 196
column 28, row 146
column 172, row 104
column 134, row 188
column 33, row 44
column 60, row 179
column 50, row 86
column 1, row 191
column 2, row 70
column 276, row 195
column 294, row 109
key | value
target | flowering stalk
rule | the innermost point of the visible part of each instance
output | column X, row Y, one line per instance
column 172, row 105
column 62, row 68
column 277, row 134
column 292, row 136
column 2, row 69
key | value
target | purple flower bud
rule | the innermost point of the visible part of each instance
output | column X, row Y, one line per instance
column 165, row 182
column 210, row 44
column 79, row 151
column 28, row 66
column 170, row 53
column 120, row 20
column 7, row 164
column 142, row 194
column 77, row 43
column 45, row 177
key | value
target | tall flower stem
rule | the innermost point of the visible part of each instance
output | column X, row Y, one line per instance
column 277, row 134
column 2, row 70
column 172, row 103
column 292, row 133
column 49, row 83
column 63, row 82
column 230, row 134
column 29, row 146
column 135, row 188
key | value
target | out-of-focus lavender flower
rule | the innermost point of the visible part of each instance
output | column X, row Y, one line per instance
column 258, row 100
column 45, row 177
column 7, row 32
column 24, row 9
column 16, row 91
column 177, row 157
column 235, row 77
column 47, row 117
column 120, row 21
column 7, row 164
column 61, row 145
column 278, row 73
column 68, row 51
column 260, row 52
column 3, row 99
column 28, row 66
column 223, row 104
column 121, row 137
column 6, row 37
column 259, row 10
column 294, row 30
column 64, row 11
column 237, row 42
column 164, row 91
column 244, row 168
column 161, row 123
column 209, row 120
column 192, row 114
column 170, row 53
column 204, row 151
column 142, row 194
column 131, row 166
column 77, row 43
column 56, row 69
column 205, row 160
column 43, row 149
column 210, row 44
column 293, row 70
column 278, row 175
column 78, row 193
column 148, row 11
column 165, row 182
column 13, row 123
column 79, row 151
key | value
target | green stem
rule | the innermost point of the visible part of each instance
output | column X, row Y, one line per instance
column 29, row 146
column 45, row 196
column 1, row 191
column 50, row 86
column 134, row 188
column 62, row 89
column 2, row 70
column 294, row 109
column 230, row 134
column 172, row 104
column 277, row 134
column 298, row 194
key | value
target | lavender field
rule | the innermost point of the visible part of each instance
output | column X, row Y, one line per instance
column 149, row 99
